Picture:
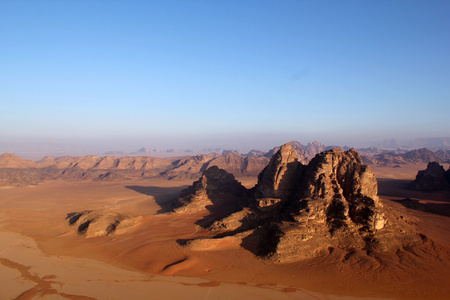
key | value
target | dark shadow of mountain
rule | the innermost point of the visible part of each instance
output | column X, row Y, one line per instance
column 216, row 213
column 442, row 209
column 388, row 187
column 263, row 241
column 163, row 196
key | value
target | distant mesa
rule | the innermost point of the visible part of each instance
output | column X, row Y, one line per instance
column 298, row 211
column 433, row 178
column 93, row 223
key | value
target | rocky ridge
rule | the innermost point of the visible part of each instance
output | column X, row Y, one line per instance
column 298, row 211
column 21, row 172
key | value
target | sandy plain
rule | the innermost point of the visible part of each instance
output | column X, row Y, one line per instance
column 42, row 257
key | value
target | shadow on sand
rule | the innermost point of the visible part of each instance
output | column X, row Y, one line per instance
column 441, row 208
column 163, row 195
column 436, row 202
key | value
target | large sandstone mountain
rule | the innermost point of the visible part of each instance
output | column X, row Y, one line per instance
column 433, row 178
column 299, row 211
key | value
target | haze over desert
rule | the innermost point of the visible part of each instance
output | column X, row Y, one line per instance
column 224, row 150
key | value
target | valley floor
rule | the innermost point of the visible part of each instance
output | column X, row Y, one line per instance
column 42, row 257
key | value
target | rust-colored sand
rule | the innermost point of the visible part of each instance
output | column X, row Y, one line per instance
column 131, row 260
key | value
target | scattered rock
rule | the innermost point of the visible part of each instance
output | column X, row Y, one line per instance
column 93, row 223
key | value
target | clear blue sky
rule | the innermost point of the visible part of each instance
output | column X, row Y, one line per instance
column 236, row 74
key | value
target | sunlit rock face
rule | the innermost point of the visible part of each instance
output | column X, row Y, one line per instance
column 297, row 211
column 336, row 205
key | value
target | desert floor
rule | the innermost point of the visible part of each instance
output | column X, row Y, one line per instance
column 42, row 257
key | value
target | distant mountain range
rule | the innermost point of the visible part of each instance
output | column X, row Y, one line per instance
column 435, row 144
column 17, row 171
column 36, row 150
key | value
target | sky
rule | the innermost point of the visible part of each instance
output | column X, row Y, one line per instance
column 118, row 75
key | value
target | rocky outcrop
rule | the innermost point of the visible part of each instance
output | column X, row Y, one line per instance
column 297, row 212
column 215, row 187
column 93, row 223
column 433, row 178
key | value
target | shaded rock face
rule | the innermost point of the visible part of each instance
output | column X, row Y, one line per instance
column 93, row 223
column 296, row 212
column 216, row 187
column 433, row 178
column 278, row 180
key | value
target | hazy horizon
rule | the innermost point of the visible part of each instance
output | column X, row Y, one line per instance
column 116, row 76
column 36, row 149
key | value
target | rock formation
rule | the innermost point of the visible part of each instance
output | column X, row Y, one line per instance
column 433, row 178
column 93, row 223
column 301, row 211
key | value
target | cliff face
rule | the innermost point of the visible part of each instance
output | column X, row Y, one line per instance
column 278, row 178
column 297, row 212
